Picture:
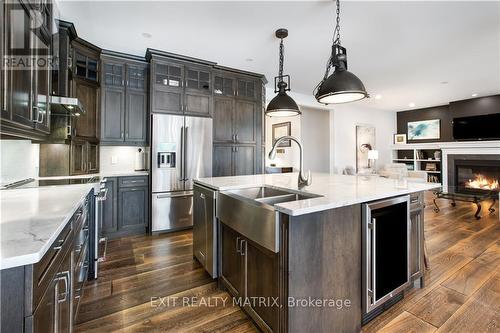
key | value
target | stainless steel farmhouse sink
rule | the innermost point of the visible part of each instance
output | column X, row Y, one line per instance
column 251, row 212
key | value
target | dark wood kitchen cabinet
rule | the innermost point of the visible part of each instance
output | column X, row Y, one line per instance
column 110, row 207
column 232, row 265
column 180, row 85
column 417, row 236
column 25, row 110
column 124, row 99
column 250, row 271
column 41, row 297
column 133, row 213
column 126, row 209
column 234, row 160
column 238, row 120
column 85, row 87
column 84, row 157
column 235, row 120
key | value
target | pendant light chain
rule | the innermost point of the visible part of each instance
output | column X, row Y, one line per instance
column 336, row 41
column 281, row 60
column 336, row 32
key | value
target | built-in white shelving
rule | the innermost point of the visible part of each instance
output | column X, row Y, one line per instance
column 420, row 158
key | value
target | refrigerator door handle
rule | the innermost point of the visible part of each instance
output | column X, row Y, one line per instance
column 184, row 154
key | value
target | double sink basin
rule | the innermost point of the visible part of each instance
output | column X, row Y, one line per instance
column 251, row 212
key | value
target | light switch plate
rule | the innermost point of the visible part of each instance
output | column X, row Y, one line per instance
column 114, row 159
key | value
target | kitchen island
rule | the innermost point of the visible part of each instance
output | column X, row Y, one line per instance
column 323, row 258
column 45, row 255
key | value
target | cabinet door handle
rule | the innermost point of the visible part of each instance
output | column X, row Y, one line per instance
column 373, row 258
column 236, row 137
column 238, row 249
column 121, row 135
column 64, row 277
column 243, row 247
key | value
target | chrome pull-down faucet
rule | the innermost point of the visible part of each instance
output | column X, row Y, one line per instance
column 303, row 179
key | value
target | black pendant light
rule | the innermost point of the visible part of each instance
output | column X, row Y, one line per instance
column 282, row 105
column 342, row 86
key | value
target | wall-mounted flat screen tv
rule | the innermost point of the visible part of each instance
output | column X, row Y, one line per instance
column 484, row 127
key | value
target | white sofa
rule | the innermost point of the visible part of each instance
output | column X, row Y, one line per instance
column 400, row 171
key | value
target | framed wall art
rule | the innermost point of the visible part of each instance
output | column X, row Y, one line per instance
column 282, row 129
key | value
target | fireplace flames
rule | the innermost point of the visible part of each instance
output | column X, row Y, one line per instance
column 482, row 183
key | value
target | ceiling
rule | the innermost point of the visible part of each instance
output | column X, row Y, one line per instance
column 427, row 53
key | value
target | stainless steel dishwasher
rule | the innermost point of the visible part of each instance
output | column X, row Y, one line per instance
column 205, row 228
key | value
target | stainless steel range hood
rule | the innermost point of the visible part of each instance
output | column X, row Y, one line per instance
column 69, row 106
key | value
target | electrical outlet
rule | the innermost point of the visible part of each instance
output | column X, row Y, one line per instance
column 114, row 159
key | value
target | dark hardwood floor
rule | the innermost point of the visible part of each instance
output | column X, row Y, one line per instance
column 462, row 292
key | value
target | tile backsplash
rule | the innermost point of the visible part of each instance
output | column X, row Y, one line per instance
column 19, row 160
column 119, row 158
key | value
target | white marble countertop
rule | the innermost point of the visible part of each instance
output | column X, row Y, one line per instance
column 32, row 218
column 335, row 190
column 102, row 174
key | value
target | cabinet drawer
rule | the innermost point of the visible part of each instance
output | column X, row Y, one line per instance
column 133, row 181
column 44, row 270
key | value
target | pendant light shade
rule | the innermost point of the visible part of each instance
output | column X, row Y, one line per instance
column 341, row 86
column 282, row 105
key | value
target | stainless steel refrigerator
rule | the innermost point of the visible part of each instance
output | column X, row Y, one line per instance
column 181, row 151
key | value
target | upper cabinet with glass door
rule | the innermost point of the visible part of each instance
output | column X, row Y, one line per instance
column 85, row 66
column 167, row 90
column 224, row 85
column 198, row 91
column 246, row 88
column 114, row 74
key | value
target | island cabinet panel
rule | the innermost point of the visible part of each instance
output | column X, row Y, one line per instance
column 126, row 209
column 251, row 274
column 323, row 255
column 231, row 264
column 262, row 282
column 417, row 236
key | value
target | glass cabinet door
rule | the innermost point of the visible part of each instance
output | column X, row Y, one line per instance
column 113, row 74
column 85, row 66
column 246, row 89
column 224, row 86
column 197, row 80
column 168, row 75
column 136, row 77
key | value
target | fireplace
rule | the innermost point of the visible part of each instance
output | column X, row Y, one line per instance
column 474, row 174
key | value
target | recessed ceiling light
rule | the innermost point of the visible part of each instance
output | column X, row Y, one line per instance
column 146, row 35
column 474, row 95
column 444, row 82
column 412, row 105
column 378, row 96
column 249, row 59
